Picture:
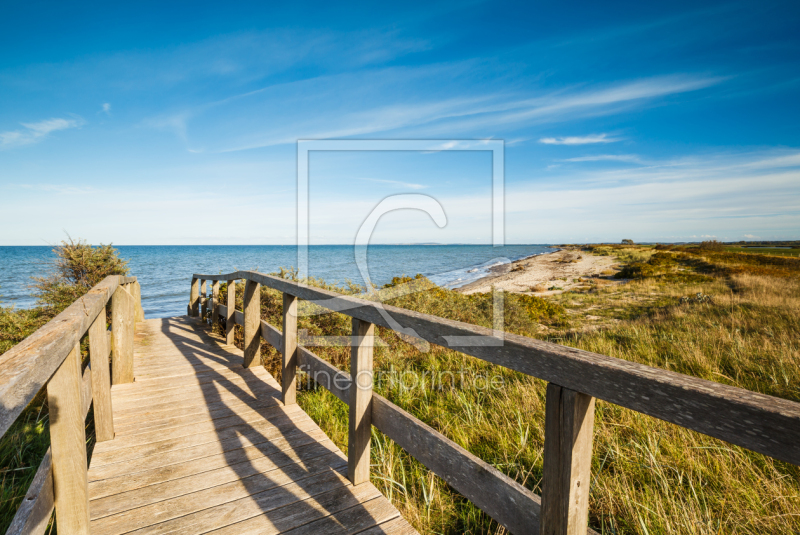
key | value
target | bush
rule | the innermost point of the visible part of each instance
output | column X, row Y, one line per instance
column 712, row 245
column 78, row 267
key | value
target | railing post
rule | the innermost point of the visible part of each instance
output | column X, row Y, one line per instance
column 289, row 362
column 360, row 425
column 204, row 313
column 122, row 336
column 252, row 324
column 68, row 443
column 230, row 320
column 194, row 298
column 569, row 423
column 101, row 381
column 214, row 302
column 136, row 292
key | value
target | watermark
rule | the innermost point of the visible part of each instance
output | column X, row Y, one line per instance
column 404, row 381
column 400, row 201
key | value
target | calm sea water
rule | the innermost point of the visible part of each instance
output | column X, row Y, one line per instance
column 165, row 272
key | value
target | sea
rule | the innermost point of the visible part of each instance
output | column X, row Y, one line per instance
column 165, row 271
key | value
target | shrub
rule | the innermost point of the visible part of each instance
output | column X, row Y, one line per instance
column 78, row 267
column 712, row 245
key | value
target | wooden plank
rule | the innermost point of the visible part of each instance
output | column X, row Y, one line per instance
column 513, row 506
column 194, row 298
column 273, row 336
column 761, row 423
column 252, row 324
column 360, row 421
column 169, row 490
column 86, row 391
column 36, row 509
column 289, row 350
column 138, row 311
column 569, row 421
column 26, row 367
column 68, row 444
column 396, row 526
column 203, row 300
column 101, row 379
column 324, row 373
column 214, row 302
column 230, row 321
column 122, row 336
column 351, row 520
column 280, row 510
column 265, row 447
column 183, row 438
column 232, row 459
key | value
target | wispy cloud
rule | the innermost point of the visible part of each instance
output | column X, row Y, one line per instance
column 35, row 132
column 106, row 107
column 400, row 183
column 631, row 158
column 579, row 140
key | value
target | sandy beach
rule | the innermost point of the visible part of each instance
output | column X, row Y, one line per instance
column 545, row 274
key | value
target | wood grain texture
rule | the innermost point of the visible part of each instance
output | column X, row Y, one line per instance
column 569, row 424
column 194, row 298
column 325, row 374
column 101, row 379
column 37, row 507
column 252, row 324
column 288, row 349
column 68, row 444
column 761, row 423
column 203, row 300
column 26, row 367
column 360, row 421
column 228, row 312
column 241, row 468
column 122, row 329
column 214, row 302
column 136, row 292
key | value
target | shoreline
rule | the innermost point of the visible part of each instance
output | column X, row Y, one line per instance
column 545, row 274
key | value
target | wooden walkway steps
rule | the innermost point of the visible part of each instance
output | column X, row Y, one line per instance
column 204, row 445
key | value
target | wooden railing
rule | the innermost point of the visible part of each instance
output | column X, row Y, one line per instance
column 761, row 423
column 51, row 358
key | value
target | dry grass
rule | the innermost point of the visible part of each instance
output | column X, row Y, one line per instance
column 648, row 476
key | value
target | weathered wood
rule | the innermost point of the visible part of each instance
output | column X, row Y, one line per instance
column 360, row 423
column 86, row 391
column 569, row 422
column 203, row 300
column 122, row 336
column 509, row 503
column 214, row 302
column 194, row 298
column 230, row 321
column 136, row 292
column 273, row 336
column 324, row 373
column 252, row 324
column 68, row 443
column 36, row 509
column 289, row 350
column 101, row 378
column 26, row 367
column 761, row 423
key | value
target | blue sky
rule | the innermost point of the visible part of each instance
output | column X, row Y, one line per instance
column 154, row 124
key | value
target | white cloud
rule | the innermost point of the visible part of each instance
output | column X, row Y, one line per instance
column 106, row 107
column 35, row 132
column 579, row 140
column 631, row 158
column 408, row 185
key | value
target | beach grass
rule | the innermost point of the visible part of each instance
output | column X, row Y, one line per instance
column 721, row 316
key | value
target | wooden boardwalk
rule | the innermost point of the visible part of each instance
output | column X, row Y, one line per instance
column 204, row 445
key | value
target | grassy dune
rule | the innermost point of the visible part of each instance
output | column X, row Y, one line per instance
column 722, row 316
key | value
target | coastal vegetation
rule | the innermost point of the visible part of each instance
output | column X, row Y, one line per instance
column 77, row 267
column 724, row 316
column 702, row 310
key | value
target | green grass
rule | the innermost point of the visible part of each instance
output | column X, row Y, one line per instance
column 764, row 250
column 648, row 476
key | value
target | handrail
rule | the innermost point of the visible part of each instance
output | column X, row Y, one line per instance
column 51, row 357
column 758, row 422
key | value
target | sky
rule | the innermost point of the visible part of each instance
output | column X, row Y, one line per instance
column 150, row 123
